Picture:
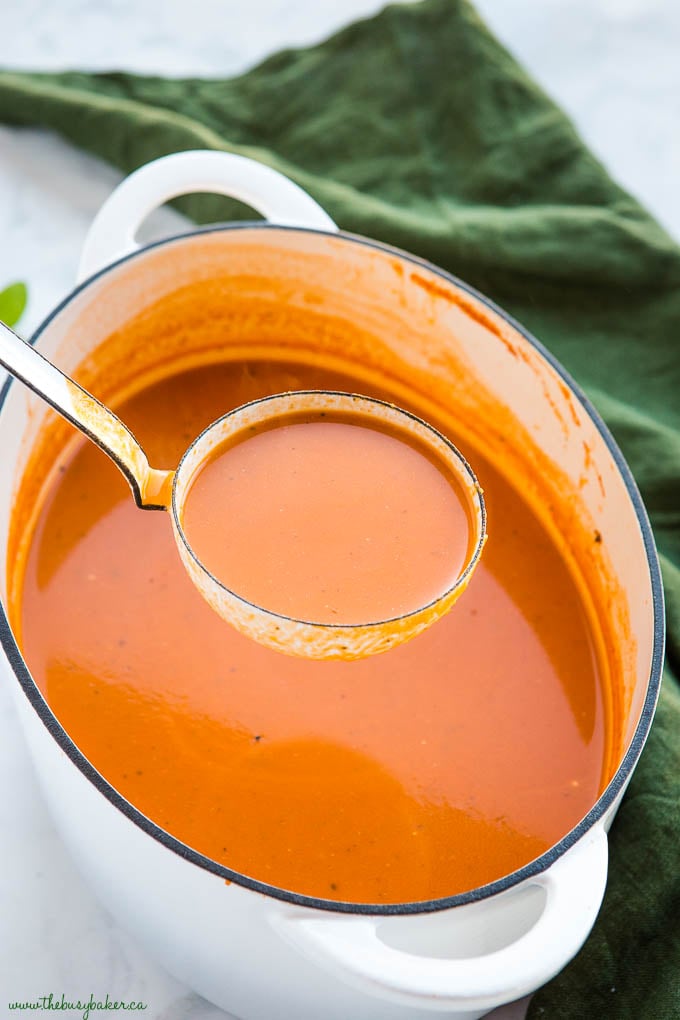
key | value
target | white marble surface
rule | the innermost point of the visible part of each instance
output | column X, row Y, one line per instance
column 611, row 63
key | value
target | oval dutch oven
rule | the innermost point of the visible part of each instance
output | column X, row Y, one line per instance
column 262, row 952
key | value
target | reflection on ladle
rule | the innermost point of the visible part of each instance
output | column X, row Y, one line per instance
column 422, row 449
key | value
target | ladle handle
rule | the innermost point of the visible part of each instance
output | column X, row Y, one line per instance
column 92, row 418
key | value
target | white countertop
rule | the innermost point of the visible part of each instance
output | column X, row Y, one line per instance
column 611, row 63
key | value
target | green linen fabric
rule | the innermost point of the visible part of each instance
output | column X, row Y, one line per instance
column 416, row 127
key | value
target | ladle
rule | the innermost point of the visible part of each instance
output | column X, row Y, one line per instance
column 167, row 490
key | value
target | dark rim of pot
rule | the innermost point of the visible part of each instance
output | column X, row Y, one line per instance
column 535, row 867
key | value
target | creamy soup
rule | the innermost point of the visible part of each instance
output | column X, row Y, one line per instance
column 352, row 523
column 434, row 768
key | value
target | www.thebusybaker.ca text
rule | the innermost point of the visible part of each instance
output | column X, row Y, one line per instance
column 79, row 1006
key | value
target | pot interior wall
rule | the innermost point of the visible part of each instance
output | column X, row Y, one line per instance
column 393, row 322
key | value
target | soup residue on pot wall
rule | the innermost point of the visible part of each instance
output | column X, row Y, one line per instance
column 429, row 770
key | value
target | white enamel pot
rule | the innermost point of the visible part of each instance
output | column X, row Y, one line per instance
column 259, row 952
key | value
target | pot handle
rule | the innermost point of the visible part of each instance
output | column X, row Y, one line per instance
column 112, row 234
column 351, row 949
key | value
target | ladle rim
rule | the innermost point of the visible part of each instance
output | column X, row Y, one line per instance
column 339, row 400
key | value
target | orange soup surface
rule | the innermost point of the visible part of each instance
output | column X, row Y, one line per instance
column 434, row 768
column 352, row 524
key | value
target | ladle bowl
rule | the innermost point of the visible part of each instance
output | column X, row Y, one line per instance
column 308, row 638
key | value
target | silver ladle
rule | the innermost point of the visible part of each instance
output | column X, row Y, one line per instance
column 167, row 490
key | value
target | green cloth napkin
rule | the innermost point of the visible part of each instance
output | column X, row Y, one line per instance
column 416, row 127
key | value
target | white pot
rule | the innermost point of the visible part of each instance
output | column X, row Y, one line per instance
column 261, row 952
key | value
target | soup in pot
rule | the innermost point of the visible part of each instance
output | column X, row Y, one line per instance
column 434, row 768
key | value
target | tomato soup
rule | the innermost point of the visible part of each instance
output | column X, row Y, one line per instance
column 439, row 766
column 352, row 523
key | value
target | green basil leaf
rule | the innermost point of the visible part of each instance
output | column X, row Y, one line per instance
column 12, row 303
